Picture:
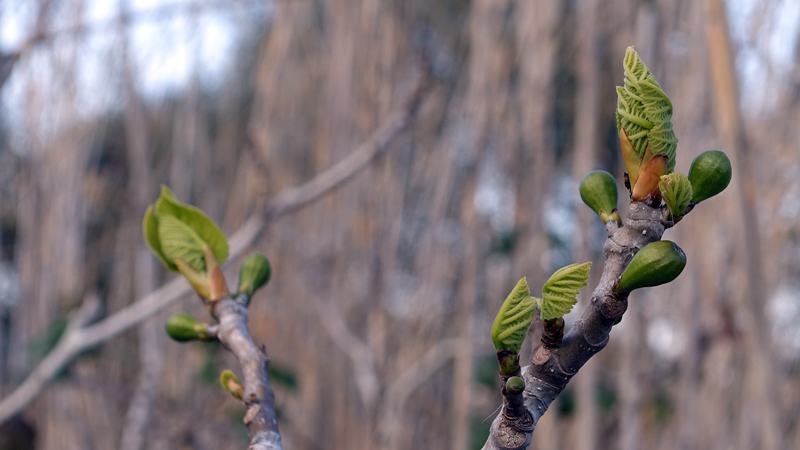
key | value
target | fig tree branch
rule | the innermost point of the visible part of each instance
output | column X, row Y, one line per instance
column 555, row 363
column 258, row 398
column 80, row 336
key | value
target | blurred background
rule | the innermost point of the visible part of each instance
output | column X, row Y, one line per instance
column 377, row 317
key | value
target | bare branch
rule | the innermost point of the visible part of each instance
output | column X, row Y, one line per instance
column 359, row 353
column 78, row 339
column 258, row 398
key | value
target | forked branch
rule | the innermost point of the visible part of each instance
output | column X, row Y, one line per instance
column 554, row 365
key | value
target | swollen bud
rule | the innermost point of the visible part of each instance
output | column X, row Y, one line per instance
column 231, row 383
column 655, row 264
column 183, row 327
column 598, row 190
column 515, row 385
column 253, row 274
column 710, row 174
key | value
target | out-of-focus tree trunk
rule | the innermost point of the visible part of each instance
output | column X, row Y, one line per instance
column 765, row 431
column 587, row 135
column 140, row 192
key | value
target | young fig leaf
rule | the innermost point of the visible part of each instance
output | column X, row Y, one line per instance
column 598, row 190
column 709, row 174
column 644, row 113
column 253, row 274
column 150, row 227
column 514, row 318
column 655, row 264
column 676, row 190
column 560, row 293
column 174, row 230
column 196, row 219
column 180, row 241
column 198, row 280
column 183, row 328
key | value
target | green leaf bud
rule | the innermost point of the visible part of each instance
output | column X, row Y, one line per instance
column 655, row 264
column 175, row 230
column 709, row 174
column 253, row 274
column 676, row 190
column 644, row 114
column 515, row 385
column 183, row 328
column 598, row 190
column 231, row 383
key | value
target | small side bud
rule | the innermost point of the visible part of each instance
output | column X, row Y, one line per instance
column 709, row 174
column 515, row 385
column 231, row 383
column 253, row 274
column 655, row 264
column 183, row 328
column 598, row 190
column 676, row 190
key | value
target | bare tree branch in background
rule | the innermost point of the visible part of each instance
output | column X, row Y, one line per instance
column 80, row 337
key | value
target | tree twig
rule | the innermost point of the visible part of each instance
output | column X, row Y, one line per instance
column 552, row 368
column 258, row 398
column 79, row 337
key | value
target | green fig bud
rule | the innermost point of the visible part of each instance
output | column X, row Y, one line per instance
column 655, row 264
column 183, row 328
column 253, row 274
column 709, row 174
column 676, row 190
column 515, row 385
column 231, row 383
column 598, row 190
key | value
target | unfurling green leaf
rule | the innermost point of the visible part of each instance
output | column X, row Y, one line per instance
column 644, row 112
column 179, row 241
column 253, row 274
column 205, row 228
column 183, row 328
column 655, row 264
column 598, row 190
column 151, row 237
column 231, row 383
column 709, row 174
column 560, row 293
column 514, row 318
column 676, row 190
